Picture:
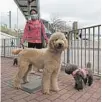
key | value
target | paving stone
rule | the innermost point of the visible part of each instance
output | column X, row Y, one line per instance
column 66, row 82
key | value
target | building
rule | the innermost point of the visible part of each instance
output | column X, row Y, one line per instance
column 8, row 40
column 6, row 36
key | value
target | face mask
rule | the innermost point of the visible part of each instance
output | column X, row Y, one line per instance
column 34, row 16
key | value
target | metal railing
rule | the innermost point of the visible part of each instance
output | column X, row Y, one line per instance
column 84, row 47
column 7, row 45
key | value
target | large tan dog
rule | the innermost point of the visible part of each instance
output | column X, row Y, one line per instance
column 48, row 59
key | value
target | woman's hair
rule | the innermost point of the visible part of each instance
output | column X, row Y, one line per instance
column 33, row 10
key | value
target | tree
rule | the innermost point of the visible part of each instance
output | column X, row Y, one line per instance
column 58, row 24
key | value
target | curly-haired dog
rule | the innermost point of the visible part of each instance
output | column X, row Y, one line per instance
column 48, row 59
column 81, row 75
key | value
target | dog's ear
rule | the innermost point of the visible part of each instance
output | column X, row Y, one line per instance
column 90, row 80
column 51, row 44
column 89, row 65
column 78, row 81
column 81, row 74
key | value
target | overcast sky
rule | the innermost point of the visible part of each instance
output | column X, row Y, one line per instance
column 86, row 12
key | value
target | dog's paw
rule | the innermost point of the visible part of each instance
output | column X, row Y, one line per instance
column 55, row 90
column 46, row 92
column 17, row 86
column 26, row 81
column 78, row 88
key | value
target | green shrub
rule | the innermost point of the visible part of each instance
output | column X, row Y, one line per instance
column 9, row 31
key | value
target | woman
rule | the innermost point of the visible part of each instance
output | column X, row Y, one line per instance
column 34, row 31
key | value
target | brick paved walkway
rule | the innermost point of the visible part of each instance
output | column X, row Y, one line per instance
column 66, row 94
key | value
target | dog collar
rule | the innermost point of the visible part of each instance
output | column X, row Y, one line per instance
column 74, row 72
column 82, row 71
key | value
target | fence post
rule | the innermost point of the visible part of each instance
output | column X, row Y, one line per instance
column 4, row 47
column 68, row 50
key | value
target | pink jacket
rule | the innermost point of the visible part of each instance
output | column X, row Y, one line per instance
column 32, row 32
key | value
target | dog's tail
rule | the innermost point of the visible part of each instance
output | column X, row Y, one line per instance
column 89, row 65
column 16, row 51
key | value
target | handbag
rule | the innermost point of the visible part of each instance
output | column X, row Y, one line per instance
column 44, row 44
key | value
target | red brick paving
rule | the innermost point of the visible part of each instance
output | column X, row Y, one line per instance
column 66, row 94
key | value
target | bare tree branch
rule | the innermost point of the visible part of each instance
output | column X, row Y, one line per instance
column 58, row 24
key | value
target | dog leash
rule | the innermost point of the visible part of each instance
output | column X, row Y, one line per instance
column 22, row 46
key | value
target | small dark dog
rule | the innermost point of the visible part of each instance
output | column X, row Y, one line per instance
column 81, row 76
column 15, row 61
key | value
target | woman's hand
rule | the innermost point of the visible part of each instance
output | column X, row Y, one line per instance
column 46, row 41
column 22, row 41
